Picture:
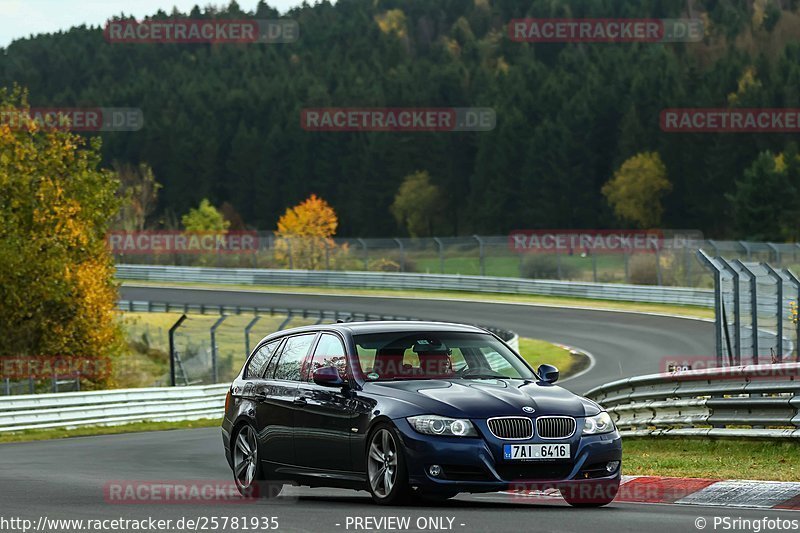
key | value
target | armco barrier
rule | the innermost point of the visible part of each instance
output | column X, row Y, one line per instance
column 107, row 408
column 743, row 401
column 395, row 280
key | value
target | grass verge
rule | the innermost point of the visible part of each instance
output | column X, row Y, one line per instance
column 556, row 301
column 537, row 352
column 712, row 458
column 137, row 427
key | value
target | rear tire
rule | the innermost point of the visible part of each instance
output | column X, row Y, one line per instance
column 247, row 471
column 387, row 475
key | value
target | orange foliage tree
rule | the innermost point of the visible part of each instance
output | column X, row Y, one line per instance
column 305, row 235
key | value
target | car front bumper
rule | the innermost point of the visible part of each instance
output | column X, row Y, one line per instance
column 476, row 464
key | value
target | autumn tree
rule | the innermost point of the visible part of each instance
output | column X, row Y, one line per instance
column 57, row 291
column 139, row 193
column 417, row 205
column 305, row 234
column 636, row 190
column 205, row 217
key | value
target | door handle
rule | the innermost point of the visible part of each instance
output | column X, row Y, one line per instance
column 299, row 401
column 260, row 396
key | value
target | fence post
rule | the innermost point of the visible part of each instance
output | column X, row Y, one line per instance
column 779, row 327
column 705, row 259
column 481, row 254
column 737, row 319
column 441, row 253
column 172, row 330
column 777, row 251
column 794, row 280
column 247, row 329
column 746, row 247
column 31, row 386
column 366, row 254
column 8, row 386
column 753, row 306
column 402, row 254
column 327, row 255
column 627, row 268
column 594, row 264
column 289, row 250
column 214, row 371
column 659, row 277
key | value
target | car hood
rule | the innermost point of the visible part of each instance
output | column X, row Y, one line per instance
column 482, row 398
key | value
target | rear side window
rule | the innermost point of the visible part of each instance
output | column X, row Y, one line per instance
column 292, row 356
column 329, row 352
column 260, row 360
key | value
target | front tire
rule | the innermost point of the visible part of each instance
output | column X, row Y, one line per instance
column 247, row 471
column 387, row 475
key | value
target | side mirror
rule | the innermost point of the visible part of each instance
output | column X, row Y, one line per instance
column 547, row 373
column 328, row 376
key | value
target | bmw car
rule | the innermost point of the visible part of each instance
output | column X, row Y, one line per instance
column 410, row 410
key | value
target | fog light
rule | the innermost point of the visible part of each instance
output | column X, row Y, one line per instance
column 435, row 470
column 612, row 466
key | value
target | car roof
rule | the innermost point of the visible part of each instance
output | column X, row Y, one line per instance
column 379, row 326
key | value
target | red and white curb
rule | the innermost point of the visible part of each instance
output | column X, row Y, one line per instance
column 695, row 491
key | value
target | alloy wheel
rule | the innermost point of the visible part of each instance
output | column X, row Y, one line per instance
column 382, row 463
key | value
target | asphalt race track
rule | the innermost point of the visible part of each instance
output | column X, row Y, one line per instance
column 68, row 479
column 623, row 344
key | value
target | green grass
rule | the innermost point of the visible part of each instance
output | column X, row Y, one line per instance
column 712, row 458
column 537, row 352
column 60, row 433
column 555, row 301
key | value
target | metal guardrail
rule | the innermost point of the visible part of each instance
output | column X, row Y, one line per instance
column 107, row 408
column 742, row 401
column 393, row 280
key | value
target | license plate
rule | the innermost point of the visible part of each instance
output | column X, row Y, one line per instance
column 522, row 452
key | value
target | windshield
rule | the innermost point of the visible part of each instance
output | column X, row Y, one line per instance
column 436, row 355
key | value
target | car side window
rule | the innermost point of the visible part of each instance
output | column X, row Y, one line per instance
column 329, row 352
column 291, row 358
column 258, row 364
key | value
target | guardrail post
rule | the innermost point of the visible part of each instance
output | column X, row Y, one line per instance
column 402, row 254
column 779, row 285
column 737, row 319
column 214, row 372
column 794, row 280
column 482, row 259
column 439, row 243
column 594, row 264
column 753, row 305
column 366, row 253
column 172, row 330
column 705, row 259
column 247, row 329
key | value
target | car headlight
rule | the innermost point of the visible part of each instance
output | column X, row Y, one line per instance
column 441, row 425
column 597, row 424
